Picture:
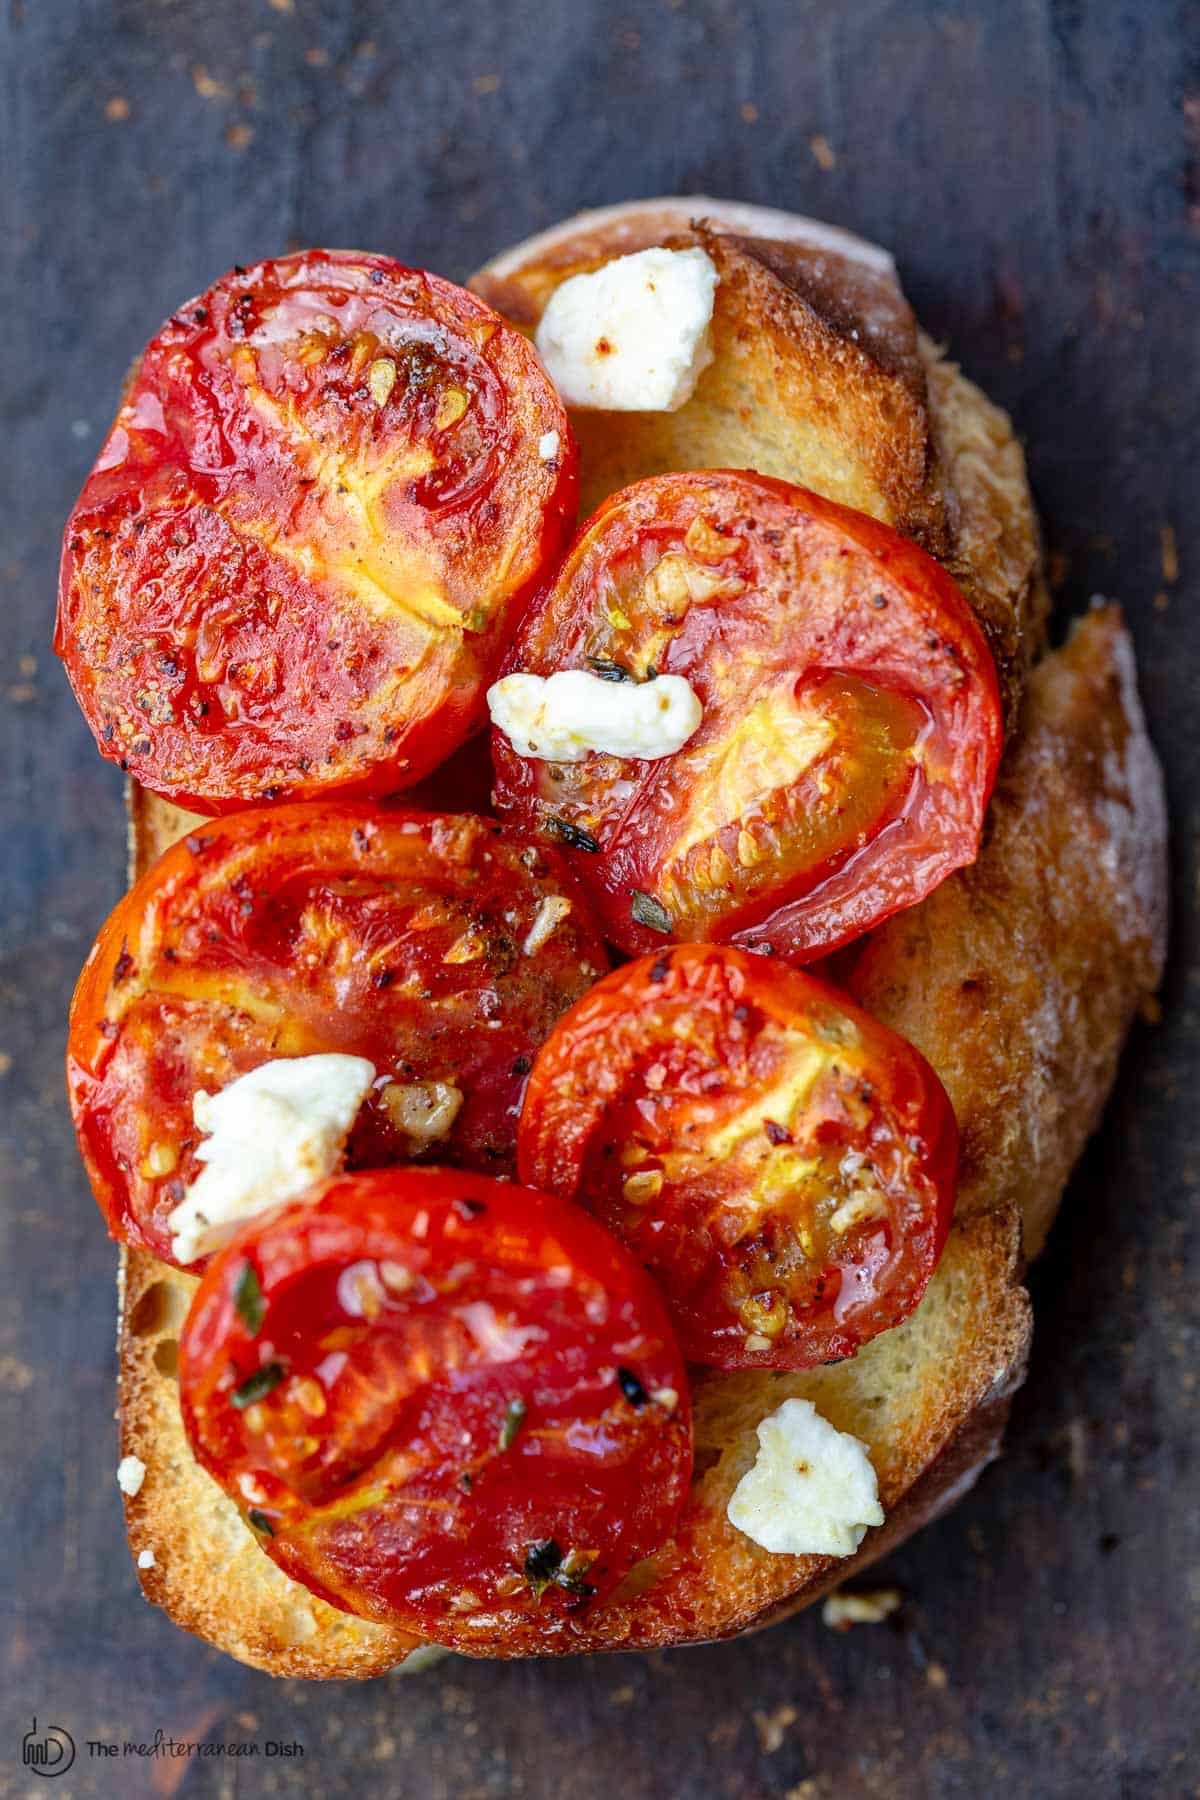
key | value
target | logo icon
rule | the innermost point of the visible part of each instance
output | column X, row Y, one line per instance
column 48, row 1752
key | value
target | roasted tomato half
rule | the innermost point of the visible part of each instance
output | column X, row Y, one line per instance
column 782, row 1163
column 295, row 566
column 851, row 718
column 442, row 1401
column 441, row 948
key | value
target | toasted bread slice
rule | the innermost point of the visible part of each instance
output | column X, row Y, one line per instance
column 1018, row 979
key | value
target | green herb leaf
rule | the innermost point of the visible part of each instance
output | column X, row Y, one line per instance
column 632, row 1388
column 247, row 1298
column 514, row 1418
column 572, row 835
column 542, row 1563
column 608, row 670
column 650, row 912
column 546, row 1566
column 260, row 1522
column 256, row 1386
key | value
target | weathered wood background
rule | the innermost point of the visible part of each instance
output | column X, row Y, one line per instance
column 1036, row 166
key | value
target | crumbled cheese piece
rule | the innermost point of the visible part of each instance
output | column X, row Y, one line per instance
column 634, row 335
column 550, row 915
column 548, row 446
column 273, row 1132
column 131, row 1472
column 145, row 1559
column 573, row 712
column 423, row 1110
column 872, row 1607
column 812, row 1490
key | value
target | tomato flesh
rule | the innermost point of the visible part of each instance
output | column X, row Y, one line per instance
column 302, row 549
column 444, row 1401
column 851, row 717
column 442, row 948
column 782, row 1164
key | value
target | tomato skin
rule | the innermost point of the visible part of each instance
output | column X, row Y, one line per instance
column 297, row 561
column 291, row 930
column 451, row 1359
column 847, row 660
column 783, row 1164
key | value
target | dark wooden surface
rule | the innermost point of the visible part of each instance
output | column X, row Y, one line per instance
column 1036, row 166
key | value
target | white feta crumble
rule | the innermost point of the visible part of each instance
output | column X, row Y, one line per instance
column 145, row 1559
column 131, row 1472
column 566, row 716
column 873, row 1607
column 548, row 446
column 812, row 1490
column 634, row 335
column 424, row 1111
column 272, row 1133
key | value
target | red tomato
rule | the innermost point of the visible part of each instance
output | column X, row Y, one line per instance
column 301, row 552
column 447, row 1402
column 782, row 1163
column 851, row 725
column 440, row 948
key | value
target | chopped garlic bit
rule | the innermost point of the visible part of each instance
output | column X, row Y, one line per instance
column 381, row 379
column 842, row 1610
column 424, row 1111
column 550, row 915
column 642, row 1186
column 812, row 1489
column 452, row 405
column 272, row 1133
column 634, row 335
column 131, row 1472
column 566, row 717
column 677, row 580
column 868, row 1201
column 548, row 446
column 161, row 1159
column 467, row 948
